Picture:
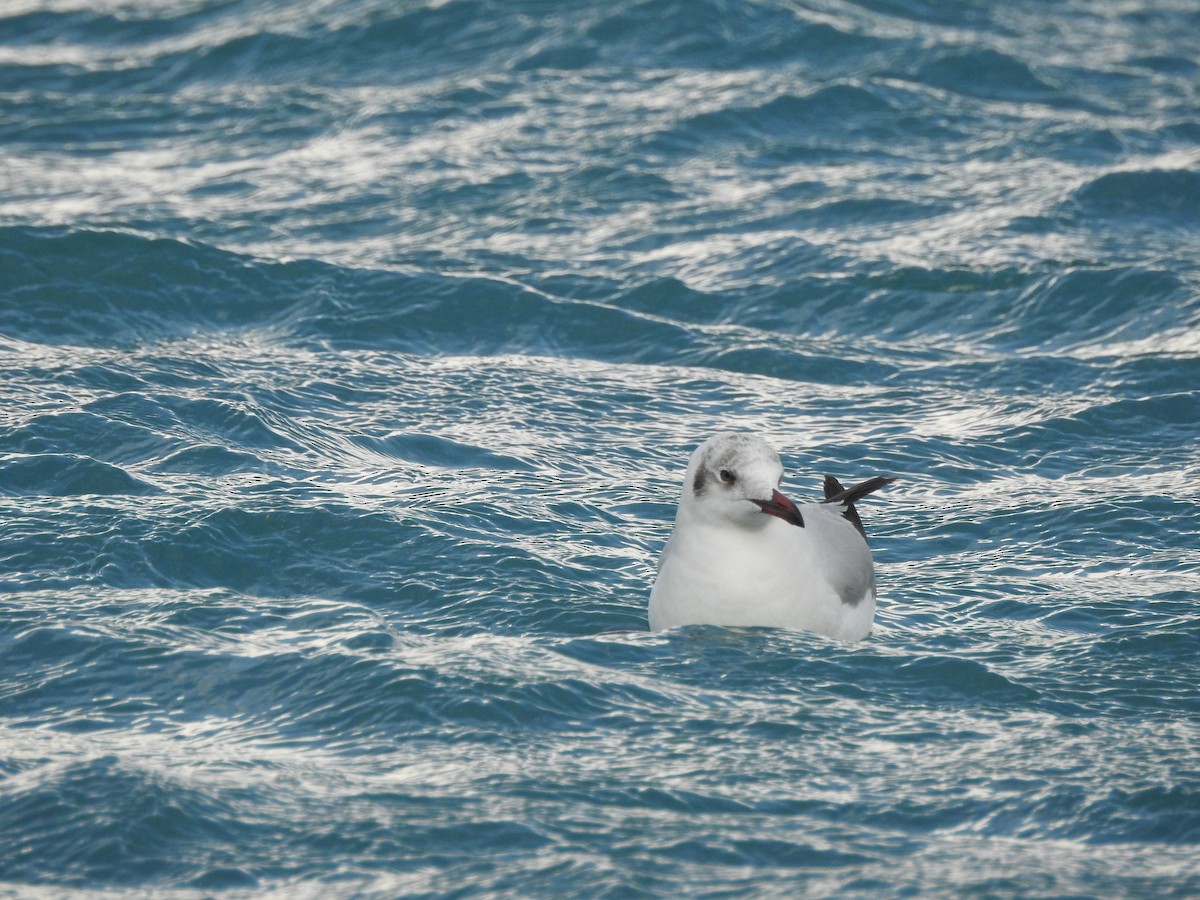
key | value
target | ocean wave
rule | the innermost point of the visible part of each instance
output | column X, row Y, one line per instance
column 1172, row 195
column 353, row 353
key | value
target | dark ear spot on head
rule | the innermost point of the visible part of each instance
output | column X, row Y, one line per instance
column 698, row 481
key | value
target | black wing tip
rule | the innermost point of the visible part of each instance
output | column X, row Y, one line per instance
column 835, row 493
column 833, row 487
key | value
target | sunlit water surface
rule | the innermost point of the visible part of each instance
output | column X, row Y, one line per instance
column 352, row 355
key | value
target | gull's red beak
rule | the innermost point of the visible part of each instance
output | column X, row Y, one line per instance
column 782, row 508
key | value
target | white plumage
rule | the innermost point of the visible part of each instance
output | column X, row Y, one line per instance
column 743, row 554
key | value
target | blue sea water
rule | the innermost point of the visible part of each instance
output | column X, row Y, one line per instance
column 352, row 352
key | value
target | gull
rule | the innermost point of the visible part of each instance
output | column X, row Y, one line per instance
column 742, row 554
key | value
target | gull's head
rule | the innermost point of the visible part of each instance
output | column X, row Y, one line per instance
column 733, row 479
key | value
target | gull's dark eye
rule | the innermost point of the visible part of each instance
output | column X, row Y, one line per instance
column 727, row 476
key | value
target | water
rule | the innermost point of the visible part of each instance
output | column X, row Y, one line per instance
column 352, row 353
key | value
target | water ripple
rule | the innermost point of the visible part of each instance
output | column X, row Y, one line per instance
column 352, row 353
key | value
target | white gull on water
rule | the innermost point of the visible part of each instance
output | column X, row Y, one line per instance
column 743, row 554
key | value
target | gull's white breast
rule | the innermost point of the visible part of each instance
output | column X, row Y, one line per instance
column 818, row 578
